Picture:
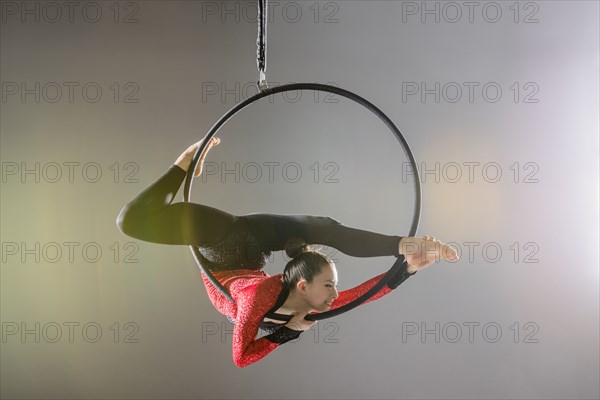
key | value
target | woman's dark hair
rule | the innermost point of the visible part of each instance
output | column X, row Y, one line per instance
column 306, row 262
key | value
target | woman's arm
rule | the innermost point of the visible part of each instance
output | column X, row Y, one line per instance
column 347, row 296
column 253, row 303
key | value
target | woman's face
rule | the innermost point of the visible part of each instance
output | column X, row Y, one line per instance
column 321, row 292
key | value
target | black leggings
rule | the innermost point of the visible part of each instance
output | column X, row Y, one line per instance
column 151, row 217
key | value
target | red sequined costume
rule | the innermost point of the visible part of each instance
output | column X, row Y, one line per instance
column 236, row 248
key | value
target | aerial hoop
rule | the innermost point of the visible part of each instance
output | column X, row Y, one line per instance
column 321, row 88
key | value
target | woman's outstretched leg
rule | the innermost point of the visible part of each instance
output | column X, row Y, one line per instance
column 274, row 231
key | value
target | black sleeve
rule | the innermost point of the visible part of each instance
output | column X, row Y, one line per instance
column 150, row 216
column 400, row 277
column 283, row 335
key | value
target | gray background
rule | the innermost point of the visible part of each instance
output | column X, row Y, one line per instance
column 516, row 317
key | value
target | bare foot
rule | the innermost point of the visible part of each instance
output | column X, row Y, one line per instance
column 421, row 252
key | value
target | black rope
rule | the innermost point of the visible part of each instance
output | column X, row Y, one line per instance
column 261, row 41
column 329, row 89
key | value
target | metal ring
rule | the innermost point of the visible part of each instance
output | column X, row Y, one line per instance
column 322, row 88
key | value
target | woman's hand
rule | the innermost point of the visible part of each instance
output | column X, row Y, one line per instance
column 420, row 253
column 298, row 323
column 185, row 159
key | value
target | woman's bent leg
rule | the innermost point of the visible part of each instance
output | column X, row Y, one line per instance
column 150, row 216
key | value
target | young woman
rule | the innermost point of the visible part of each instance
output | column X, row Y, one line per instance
column 235, row 249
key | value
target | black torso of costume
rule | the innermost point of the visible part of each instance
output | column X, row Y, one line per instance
column 239, row 249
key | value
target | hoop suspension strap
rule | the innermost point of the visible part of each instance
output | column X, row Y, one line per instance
column 261, row 42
